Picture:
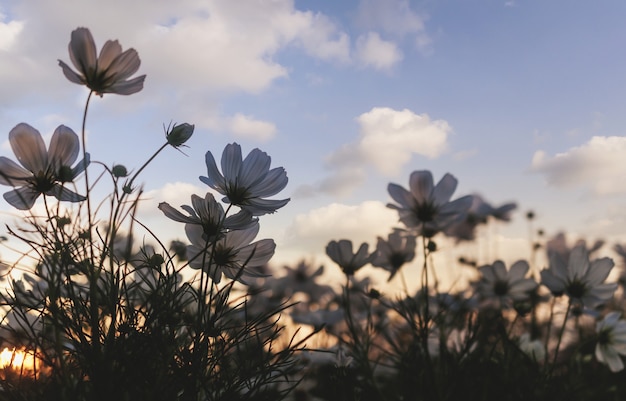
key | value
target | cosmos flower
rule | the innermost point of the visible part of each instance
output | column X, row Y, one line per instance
column 246, row 183
column 209, row 214
column 582, row 281
column 427, row 207
column 341, row 253
column 477, row 214
column 503, row 286
column 611, row 341
column 234, row 255
column 44, row 171
column 393, row 253
column 302, row 279
column 107, row 73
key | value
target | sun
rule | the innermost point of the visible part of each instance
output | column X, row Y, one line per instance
column 17, row 359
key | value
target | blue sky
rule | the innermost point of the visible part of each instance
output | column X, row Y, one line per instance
column 520, row 100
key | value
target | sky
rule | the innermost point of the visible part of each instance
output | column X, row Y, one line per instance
column 520, row 100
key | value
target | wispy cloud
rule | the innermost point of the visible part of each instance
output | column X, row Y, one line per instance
column 598, row 166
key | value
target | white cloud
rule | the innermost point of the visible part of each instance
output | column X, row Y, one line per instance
column 388, row 140
column 248, row 127
column 390, row 137
column 359, row 223
column 395, row 17
column 8, row 33
column 372, row 51
column 598, row 166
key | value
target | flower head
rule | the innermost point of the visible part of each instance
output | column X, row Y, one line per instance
column 209, row 214
column 44, row 170
column 611, row 341
column 427, row 207
column 234, row 254
column 246, row 183
column 503, row 286
column 107, row 73
column 581, row 280
column 341, row 253
column 179, row 134
column 393, row 253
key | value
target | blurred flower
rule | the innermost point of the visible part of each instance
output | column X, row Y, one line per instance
column 611, row 341
column 209, row 214
column 246, row 183
column 107, row 73
column 233, row 255
column 427, row 208
column 504, row 287
column 392, row 254
column 477, row 214
column 580, row 280
column 302, row 279
column 44, row 171
column 341, row 253
column 533, row 348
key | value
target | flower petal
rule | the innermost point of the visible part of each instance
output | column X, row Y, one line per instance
column 13, row 174
column 64, row 147
column 29, row 148
column 421, row 185
column 22, row 198
column 444, row 189
column 83, row 51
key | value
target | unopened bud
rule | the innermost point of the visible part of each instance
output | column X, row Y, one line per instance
column 179, row 134
column 119, row 171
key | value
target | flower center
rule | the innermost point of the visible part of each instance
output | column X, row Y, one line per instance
column 43, row 181
column 576, row 289
column 501, row 288
column 426, row 212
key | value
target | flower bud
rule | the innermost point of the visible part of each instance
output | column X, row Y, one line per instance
column 119, row 171
column 179, row 134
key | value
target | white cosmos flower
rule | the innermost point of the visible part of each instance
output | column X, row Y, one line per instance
column 107, row 73
column 611, row 341
column 582, row 281
column 234, row 254
column 505, row 286
column 44, row 171
column 246, row 183
column 341, row 253
column 427, row 207
column 209, row 214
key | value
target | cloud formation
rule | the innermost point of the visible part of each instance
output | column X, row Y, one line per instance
column 388, row 140
column 372, row 51
column 395, row 18
column 598, row 166
column 360, row 223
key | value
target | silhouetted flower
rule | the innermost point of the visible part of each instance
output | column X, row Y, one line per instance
column 580, row 280
column 209, row 214
column 107, row 73
column 611, row 341
column 341, row 253
column 427, row 208
column 44, row 171
column 504, row 287
column 392, row 254
column 246, row 183
column 179, row 134
column 233, row 255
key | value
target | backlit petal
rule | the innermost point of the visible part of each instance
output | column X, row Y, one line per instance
column 29, row 148
column 421, row 185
